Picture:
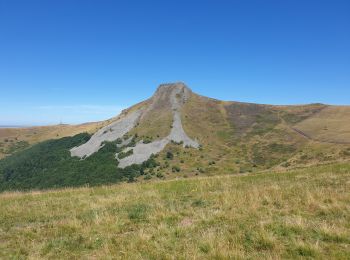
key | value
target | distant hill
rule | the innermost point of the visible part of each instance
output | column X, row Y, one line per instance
column 175, row 133
column 11, row 136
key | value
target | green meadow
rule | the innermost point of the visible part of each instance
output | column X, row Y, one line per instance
column 303, row 213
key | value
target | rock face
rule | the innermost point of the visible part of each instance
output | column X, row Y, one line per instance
column 172, row 95
column 108, row 133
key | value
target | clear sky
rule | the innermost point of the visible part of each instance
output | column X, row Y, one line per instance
column 78, row 61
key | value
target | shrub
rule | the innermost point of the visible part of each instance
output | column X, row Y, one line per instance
column 286, row 164
column 177, row 143
column 160, row 175
column 346, row 152
column 132, row 142
column 150, row 163
column 147, row 140
column 200, row 170
column 122, row 155
column 169, row 155
column 175, row 169
column 147, row 177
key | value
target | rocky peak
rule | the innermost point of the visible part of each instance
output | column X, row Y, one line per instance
column 170, row 94
column 169, row 87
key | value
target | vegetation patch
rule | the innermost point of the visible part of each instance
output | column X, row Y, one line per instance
column 264, row 123
column 122, row 155
column 16, row 147
column 50, row 165
column 276, row 215
column 138, row 212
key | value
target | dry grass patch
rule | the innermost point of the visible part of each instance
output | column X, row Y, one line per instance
column 303, row 213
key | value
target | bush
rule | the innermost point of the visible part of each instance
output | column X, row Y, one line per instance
column 286, row 164
column 147, row 177
column 160, row 175
column 150, row 163
column 132, row 142
column 175, row 169
column 122, row 155
column 200, row 170
column 346, row 152
column 169, row 155
column 147, row 140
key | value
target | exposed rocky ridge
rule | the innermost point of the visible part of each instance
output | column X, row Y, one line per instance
column 168, row 96
column 174, row 95
column 109, row 133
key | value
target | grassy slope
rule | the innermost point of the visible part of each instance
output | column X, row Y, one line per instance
column 156, row 124
column 241, row 137
column 331, row 124
column 302, row 213
column 11, row 137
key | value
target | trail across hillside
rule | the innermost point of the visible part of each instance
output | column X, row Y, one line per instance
column 316, row 140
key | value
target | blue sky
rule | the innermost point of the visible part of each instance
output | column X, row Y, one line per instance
column 78, row 61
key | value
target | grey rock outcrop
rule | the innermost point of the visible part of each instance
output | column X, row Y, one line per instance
column 167, row 95
column 108, row 133
column 176, row 95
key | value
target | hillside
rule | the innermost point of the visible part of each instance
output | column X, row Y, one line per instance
column 175, row 133
column 16, row 139
column 289, row 215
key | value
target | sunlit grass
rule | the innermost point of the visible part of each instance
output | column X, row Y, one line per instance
column 303, row 213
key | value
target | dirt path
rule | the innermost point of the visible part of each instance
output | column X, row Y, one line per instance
column 314, row 139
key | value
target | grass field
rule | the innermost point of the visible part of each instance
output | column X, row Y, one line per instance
column 301, row 213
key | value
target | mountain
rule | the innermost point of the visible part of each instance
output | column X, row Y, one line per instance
column 175, row 133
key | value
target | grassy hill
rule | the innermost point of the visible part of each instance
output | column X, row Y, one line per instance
column 330, row 125
column 234, row 137
column 13, row 140
column 294, row 214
